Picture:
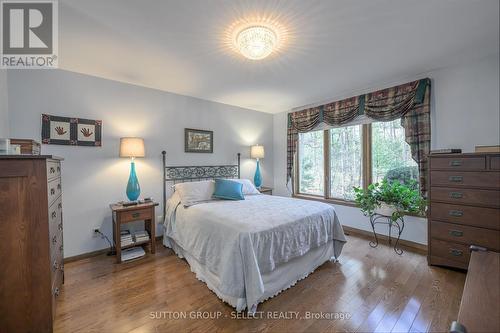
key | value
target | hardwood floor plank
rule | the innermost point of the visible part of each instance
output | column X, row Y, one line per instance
column 378, row 289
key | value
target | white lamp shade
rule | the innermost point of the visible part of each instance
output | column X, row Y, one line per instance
column 257, row 151
column 131, row 147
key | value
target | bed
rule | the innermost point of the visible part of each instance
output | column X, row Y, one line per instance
column 249, row 250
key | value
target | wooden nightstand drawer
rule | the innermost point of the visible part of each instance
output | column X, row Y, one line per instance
column 139, row 214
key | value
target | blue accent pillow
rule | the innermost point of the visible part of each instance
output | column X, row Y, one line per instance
column 228, row 190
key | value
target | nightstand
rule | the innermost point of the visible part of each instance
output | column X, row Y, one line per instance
column 122, row 215
column 266, row 190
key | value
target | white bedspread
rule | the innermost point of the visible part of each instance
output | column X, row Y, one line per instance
column 241, row 240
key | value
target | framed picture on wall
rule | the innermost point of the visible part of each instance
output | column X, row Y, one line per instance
column 198, row 141
column 58, row 130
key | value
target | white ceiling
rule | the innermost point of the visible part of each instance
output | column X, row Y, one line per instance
column 333, row 46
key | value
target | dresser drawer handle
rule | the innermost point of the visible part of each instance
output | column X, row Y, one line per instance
column 456, row 233
column 456, row 213
column 456, row 179
column 59, row 205
column 60, row 226
column 54, row 214
column 52, row 191
column 456, row 163
column 135, row 215
column 59, row 186
column 58, row 169
column 61, row 247
column 456, row 195
column 456, row 253
column 54, row 239
column 56, row 292
column 55, row 266
column 52, row 170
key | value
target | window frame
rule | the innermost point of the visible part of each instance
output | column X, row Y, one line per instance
column 366, row 151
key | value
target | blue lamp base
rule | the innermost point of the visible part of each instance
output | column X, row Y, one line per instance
column 257, row 179
column 133, row 188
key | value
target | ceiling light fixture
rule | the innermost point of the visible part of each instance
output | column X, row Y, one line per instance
column 256, row 42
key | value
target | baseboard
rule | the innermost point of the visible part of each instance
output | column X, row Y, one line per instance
column 95, row 253
column 385, row 239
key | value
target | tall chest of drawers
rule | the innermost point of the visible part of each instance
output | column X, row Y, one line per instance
column 464, row 206
column 31, row 242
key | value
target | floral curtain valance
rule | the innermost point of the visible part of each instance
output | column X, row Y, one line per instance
column 409, row 101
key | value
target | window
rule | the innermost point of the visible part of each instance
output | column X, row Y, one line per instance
column 391, row 155
column 311, row 161
column 346, row 162
column 356, row 156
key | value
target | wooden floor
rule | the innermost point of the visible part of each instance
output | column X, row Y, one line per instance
column 376, row 289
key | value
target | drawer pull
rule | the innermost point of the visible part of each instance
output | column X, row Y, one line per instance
column 54, row 239
column 456, row 179
column 456, row 253
column 56, row 292
column 456, row 233
column 135, row 215
column 59, row 186
column 60, row 226
column 456, row 163
column 58, row 169
column 456, row 213
column 456, row 195
column 52, row 170
column 54, row 214
column 61, row 247
column 59, row 205
column 55, row 266
column 52, row 191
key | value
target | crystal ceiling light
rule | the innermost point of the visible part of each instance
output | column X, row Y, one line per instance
column 256, row 42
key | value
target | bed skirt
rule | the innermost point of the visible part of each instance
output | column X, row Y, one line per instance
column 281, row 278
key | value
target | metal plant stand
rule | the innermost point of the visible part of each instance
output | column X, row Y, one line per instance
column 399, row 224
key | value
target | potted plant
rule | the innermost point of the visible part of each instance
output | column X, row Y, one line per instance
column 393, row 199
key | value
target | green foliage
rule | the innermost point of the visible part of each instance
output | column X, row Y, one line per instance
column 404, row 198
column 404, row 175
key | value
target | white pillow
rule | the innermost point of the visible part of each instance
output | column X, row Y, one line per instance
column 248, row 186
column 191, row 193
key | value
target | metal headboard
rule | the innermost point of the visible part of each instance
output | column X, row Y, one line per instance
column 181, row 174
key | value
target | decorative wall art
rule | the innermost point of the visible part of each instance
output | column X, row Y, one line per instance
column 198, row 141
column 71, row 131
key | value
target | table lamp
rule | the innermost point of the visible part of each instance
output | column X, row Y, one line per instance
column 257, row 152
column 132, row 147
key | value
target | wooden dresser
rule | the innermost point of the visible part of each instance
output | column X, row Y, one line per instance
column 464, row 206
column 31, row 242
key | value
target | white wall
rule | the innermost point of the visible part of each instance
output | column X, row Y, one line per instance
column 95, row 177
column 465, row 112
column 4, row 111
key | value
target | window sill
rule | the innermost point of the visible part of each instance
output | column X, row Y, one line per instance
column 329, row 200
column 339, row 202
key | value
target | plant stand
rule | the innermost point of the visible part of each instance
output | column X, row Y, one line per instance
column 399, row 224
